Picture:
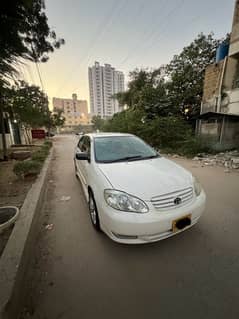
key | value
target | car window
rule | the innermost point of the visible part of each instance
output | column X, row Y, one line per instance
column 80, row 143
column 85, row 147
column 122, row 148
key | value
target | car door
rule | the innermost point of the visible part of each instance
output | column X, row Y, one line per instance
column 86, row 145
column 78, row 163
column 83, row 166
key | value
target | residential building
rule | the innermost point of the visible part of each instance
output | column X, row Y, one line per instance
column 104, row 82
column 219, row 118
column 15, row 133
column 75, row 111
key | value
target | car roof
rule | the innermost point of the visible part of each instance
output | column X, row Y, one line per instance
column 94, row 135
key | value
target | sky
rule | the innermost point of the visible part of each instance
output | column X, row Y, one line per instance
column 124, row 33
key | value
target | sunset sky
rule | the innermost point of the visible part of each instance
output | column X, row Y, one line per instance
column 124, row 33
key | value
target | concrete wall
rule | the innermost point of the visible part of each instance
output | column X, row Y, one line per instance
column 231, row 133
column 230, row 103
column 234, row 41
column 8, row 140
column 211, row 86
column 210, row 129
column 230, row 73
column 212, row 132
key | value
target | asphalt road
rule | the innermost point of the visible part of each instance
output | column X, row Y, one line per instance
column 80, row 273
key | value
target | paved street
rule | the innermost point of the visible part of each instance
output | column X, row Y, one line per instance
column 82, row 274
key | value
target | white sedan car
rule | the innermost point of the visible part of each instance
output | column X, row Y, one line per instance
column 134, row 194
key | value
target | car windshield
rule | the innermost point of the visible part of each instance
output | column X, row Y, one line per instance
column 122, row 148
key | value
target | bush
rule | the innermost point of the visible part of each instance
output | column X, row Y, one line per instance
column 48, row 144
column 40, row 155
column 25, row 168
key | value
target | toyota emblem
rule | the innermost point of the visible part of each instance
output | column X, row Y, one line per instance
column 177, row 201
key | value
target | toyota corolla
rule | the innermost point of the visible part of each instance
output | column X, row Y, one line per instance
column 134, row 194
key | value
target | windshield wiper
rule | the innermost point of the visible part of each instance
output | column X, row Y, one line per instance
column 126, row 158
column 131, row 158
column 151, row 156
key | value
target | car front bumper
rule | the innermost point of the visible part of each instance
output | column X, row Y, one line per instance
column 134, row 228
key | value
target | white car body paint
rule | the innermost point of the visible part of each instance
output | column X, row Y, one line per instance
column 144, row 179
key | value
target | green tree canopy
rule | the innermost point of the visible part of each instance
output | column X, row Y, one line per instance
column 186, row 74
column 25, row 34
column 147, row 92
column 29, row 105
column 97, row 122
column 175, row 89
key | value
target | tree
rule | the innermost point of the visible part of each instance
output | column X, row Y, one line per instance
column 54, row 120
column 147, row 92
column 175, row 89
column 29, row 105
column 25, row 35
column 186, row 74
column 97, row 122
column 57, row 119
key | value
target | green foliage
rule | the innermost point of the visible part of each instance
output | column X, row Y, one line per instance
column 24, row 34
column 170, row 134
column 48, row 144
column 57, row 120
column 147, row 92
column 97, row 122
column 29, row 105
column 175, row 89
column 159, row 132
column 25, row 168
column 186, row 74
column 33, row 166
column 41, row 154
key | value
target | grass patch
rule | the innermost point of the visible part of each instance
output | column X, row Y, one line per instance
column 192, row 147
column 33, row 167
column 26, row 168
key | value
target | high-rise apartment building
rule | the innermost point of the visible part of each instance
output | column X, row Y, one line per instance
column 104, row 82
column 75, row 111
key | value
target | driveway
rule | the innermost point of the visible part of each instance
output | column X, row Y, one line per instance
column 80, row 273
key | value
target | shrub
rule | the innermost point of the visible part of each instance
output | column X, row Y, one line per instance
column 28, row 167
column 48, row 144
column 40, row 155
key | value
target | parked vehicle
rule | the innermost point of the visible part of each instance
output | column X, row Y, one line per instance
column 79, row 133
column 50, row 134
column 134, row 194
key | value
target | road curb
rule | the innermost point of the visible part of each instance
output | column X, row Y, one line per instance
column 16, row 257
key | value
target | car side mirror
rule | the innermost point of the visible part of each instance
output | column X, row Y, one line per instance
column 82, row 156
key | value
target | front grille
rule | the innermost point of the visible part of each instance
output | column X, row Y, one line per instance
column 173, row 200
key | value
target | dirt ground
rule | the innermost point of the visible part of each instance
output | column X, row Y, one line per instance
column 12, row 190
column 80, row 273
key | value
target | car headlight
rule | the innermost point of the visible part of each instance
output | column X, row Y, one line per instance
column 124, row 202
column 197, row 186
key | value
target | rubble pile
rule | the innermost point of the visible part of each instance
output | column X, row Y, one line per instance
column 229, row 160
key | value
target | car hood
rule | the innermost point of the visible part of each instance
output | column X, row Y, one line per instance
column 147, row 178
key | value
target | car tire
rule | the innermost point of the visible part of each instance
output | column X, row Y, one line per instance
column 94, row 216
column 76, row 170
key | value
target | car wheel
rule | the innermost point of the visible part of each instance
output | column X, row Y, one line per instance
column 75, row 170
column 93, row 212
